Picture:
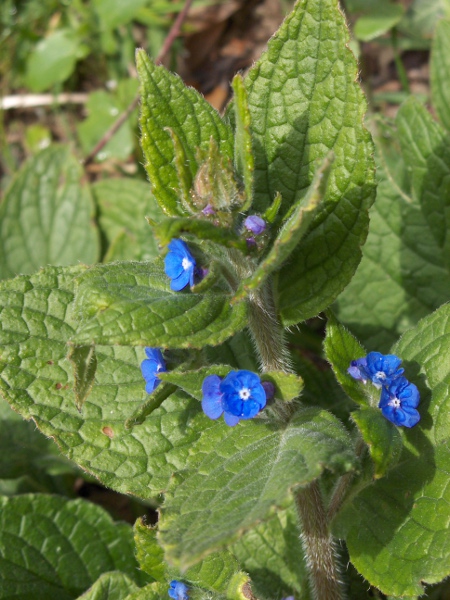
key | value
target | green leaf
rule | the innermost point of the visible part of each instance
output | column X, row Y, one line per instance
column 154, row 591
column 423, row 16
column 46, row 216
column 36, row 378
column 168, row 103
column 304, row 102
column 249, row 472
column 245, row 164
column 29, row 462
column 440, row 72
column 123, row 205
column 378, row 17
column 113, row 13
column 110, row 586
column 341, row 347
column 84, row 361
column 53, row 60
column 291, row 232
column 85, row 543
column 396, row 530
column 215, row 573
column 132, row 304
column 103, row 110
column 426, row 149
column 272, row 554
column 402, row 276
column 382, row 437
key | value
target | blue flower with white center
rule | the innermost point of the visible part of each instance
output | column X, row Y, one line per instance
column 399, row 401
column 380, row 369
column 178, row 590
column 240, row 395
column 179, row 265
column 151, row 366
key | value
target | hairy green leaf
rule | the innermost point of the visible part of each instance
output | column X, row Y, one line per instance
column 110, row 586
column 402, row 276
column 168, row 103
column 291, row 232
column 132, row 304
column 37, row 379
column 46, row 216
column 51, row 547
column 304, row 102
column 426, row 149
column 249, row 472
column 245, row 163
column 123, row 205
column 84, row 361
column 397, row 529
column 272, row 554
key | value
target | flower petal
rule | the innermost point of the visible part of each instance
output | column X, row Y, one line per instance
column 180, row 282
column 173, row 264
column 212, row 397
column 231, row 420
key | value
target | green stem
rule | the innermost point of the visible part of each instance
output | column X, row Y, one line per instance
column 268, row 336
column 318, row 544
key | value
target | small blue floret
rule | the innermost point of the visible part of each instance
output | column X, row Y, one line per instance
column 151, row 366
column 380, row 369
column 399, row 401
column 178, row 590
column 179, row 265
column 240, row 395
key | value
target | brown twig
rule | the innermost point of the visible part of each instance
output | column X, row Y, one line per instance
column 171, row 37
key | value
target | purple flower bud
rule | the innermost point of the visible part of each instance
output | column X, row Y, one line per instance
column 208, row 210
column 255, row 224
column 269, row 388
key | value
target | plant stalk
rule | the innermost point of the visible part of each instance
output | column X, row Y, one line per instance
column 318, row 545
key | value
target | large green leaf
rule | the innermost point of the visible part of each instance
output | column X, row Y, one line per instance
column 51, row 547
column 397, row 529
column 402, row 276
column 426, row 149
column 272, row 554
column 37, row 379
column 168, row 104
column 46, row 216
column 242, row 474
column 131, row 303
column 304, row 102
column 123, row 205
column 440, row 72
column 28, row 461
column 111, row 586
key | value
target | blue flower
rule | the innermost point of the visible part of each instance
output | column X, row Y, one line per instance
column 178, row 590
column 380, row 369
column 179, row 265
column 151, row 366
column 240, row 395
column 399, row 401
column 255, row 224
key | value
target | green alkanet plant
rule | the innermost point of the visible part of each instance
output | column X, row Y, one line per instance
column 258, row 222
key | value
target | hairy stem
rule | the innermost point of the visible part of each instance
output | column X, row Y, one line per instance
column 318, row 544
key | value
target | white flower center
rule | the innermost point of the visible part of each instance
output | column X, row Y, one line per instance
column 380, row 375
column 244, row 394
column 395, row 402
column 186, row 264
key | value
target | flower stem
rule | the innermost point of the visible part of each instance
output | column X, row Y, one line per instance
column 318, row 545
